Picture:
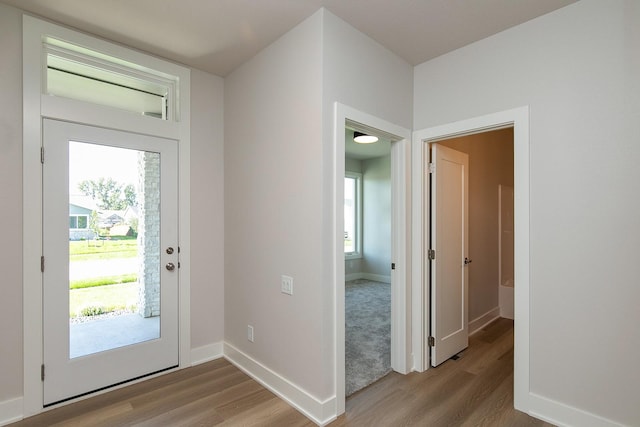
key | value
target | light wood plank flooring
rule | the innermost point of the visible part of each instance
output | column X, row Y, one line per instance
column 475, row 390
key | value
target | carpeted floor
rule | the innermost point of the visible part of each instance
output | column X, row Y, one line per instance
column 367, row 333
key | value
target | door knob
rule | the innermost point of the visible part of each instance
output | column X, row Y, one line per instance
column 467, row 261
column 170, row 266
column 169, row 250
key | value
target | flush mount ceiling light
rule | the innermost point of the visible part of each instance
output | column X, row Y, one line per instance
column 363, row 138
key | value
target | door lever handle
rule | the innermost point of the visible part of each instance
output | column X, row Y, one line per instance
column 467, row 261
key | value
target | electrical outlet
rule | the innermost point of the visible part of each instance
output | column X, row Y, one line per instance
column 287, row 285
column 250, row 333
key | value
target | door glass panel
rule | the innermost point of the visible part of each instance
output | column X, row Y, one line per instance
column 114, row 247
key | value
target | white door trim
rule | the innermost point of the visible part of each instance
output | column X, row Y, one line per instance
column 401, row 244
column 517, row 118
column 35, row 107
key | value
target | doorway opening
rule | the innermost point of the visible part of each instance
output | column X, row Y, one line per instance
column 487, row 253
column 368, row 284
column 348, row 120
column 518, row 121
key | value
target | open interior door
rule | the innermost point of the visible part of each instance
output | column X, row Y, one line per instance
column 449, row 243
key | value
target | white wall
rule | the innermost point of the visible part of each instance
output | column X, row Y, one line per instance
column 11, row 203
column 207, row 213
column 278, row 193
column 376, row 218
column 352, row 165
column 273, row 208
column 206, row 210
column 577, row 69
column 362, row 74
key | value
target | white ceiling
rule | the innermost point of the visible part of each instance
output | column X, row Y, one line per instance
column 219, row 35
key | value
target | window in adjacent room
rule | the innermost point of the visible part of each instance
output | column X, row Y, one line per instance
column 352, row 215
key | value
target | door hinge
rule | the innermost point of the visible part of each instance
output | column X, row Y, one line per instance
column 42, row 372
column 42, row 263
column 393, row 265
column 42, row 155
column 432, row 167
column 432, row 342
column 432, row 254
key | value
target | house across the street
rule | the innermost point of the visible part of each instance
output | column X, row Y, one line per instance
column 117, row 222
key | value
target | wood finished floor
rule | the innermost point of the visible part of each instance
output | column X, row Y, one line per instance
column 475, row 390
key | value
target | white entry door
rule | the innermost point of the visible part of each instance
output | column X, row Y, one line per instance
column 449, row 236
column 110, row 264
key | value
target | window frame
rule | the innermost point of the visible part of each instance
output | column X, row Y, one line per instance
column 77, row 217
column 110, row 69
column 357, row 254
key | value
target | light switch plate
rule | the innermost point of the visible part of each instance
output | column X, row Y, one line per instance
column 287, row 285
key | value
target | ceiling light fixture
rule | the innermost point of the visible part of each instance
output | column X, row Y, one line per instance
column 363, row 138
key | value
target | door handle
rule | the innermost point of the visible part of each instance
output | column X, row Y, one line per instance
column 467, row 261
column 170, row 266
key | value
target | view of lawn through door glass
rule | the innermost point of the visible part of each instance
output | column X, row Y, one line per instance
column 114, row 247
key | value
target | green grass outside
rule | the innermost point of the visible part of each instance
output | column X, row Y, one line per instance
column 103, row 281
column 85, row 250
column 109, row 293
column 110, row 298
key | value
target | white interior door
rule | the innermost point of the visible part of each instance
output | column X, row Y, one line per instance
column 87, row 240
column 449, row 239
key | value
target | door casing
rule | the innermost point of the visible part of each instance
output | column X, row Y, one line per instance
column 400, row 230
column 517, row 118
column 36, row 106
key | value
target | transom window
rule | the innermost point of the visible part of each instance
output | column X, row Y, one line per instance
column 81, row 74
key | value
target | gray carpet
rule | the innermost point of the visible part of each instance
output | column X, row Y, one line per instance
column 367, row 333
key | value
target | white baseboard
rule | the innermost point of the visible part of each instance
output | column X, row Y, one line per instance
column 480, row 322
column 352, row 276
column 563, row 415
column 505, row 299
column 320, row 412
column 377, row 277
column 11, row 411
column 206, row 353
column 367, row 276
